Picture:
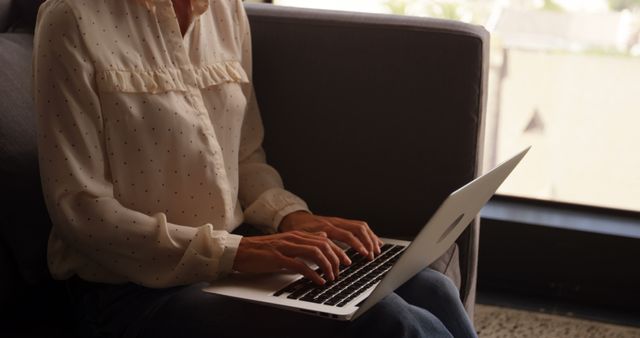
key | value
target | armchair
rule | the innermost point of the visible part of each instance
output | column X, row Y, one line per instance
column 372, row 117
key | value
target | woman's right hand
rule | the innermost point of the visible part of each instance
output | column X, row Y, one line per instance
column 271, row 253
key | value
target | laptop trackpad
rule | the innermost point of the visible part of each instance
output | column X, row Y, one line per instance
column 252, row 283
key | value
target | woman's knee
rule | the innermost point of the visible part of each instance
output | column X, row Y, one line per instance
column 434, row 284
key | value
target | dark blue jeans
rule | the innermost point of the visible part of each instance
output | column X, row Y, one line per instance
column 428, row 305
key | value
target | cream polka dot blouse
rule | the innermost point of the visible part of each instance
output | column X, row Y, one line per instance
column 149, row 141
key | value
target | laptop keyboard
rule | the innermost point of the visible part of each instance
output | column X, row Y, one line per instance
column 352, row 281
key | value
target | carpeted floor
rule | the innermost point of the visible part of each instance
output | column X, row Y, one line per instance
column 499, row 322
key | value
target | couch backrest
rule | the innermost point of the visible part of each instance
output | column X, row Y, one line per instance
column 373, row 117
column 24, row 14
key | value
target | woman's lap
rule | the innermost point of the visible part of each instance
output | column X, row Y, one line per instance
column 134, row 311
column 434, row 292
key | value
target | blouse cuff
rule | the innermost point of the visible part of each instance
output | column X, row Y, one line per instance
column 231, row 244
column 271, row 207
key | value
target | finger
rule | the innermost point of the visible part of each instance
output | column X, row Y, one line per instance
column 310, row 253
column 344, row 259
column 366, row 232
column 376, row 241
column 360, row 230
column 348, row 238
column 296, row 265
column 330, row 249
column 322, row 241
column 339, row 253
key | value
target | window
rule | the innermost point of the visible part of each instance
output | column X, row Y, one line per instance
column 564, row 79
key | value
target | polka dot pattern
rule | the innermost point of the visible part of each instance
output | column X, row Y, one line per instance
column 150, row 140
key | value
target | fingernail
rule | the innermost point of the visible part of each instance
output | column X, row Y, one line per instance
column 348, row 261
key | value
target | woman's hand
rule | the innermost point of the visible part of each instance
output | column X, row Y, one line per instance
column 272, row 253
column 356, row 234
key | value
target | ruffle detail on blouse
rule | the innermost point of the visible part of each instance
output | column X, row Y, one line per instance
column 170, row 79
column 141, row 81
column 219, row 73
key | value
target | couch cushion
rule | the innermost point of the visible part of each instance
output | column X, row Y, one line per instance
column 24, row 223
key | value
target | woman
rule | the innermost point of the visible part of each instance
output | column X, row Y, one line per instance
column 150, row 154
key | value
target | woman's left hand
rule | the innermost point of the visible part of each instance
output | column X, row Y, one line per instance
column 356, row 234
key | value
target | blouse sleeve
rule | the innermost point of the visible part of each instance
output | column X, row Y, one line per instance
column 265, row 200
column 145, row 249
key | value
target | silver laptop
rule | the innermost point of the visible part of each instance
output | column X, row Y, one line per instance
column 362, row 284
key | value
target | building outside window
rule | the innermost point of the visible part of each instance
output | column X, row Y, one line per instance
column 564, row 78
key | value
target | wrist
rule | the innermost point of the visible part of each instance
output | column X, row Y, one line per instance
column 290, row 220
column 238, row 260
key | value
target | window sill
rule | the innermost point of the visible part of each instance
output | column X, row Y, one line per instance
column 563, row 216
column 560, row 252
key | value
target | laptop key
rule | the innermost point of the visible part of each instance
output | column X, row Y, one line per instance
column 308, row 298
column 291, row 287
column 302, row 290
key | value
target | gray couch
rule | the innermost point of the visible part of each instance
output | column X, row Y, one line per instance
column 366, row 116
